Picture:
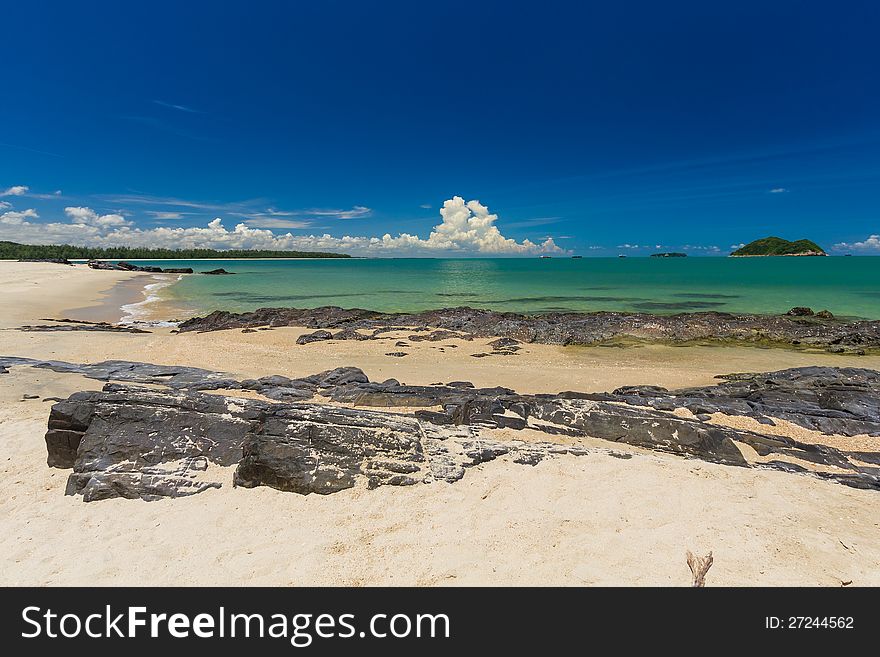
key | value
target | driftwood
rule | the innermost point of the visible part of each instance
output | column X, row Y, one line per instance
column 699, row 567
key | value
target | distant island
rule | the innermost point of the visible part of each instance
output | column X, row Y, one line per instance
column 669, row 255
column 15, row 251
column 776, row 246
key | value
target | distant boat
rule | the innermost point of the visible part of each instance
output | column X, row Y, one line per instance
column 542, row 257
column 621, row 256
column 576, row 257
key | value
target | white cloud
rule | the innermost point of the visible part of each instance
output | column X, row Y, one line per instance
column 4, row 205
column 778, row 190
column 13, row 218
column 89, row 217
column 425, row 206
column 872, row 243
column 465, row 227
column 15, row 190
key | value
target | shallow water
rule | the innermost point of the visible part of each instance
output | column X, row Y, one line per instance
column 847, row 286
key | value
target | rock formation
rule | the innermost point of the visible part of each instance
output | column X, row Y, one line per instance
column 821, row 331
column 132, row 441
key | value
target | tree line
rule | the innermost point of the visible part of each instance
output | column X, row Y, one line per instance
column 14, row 251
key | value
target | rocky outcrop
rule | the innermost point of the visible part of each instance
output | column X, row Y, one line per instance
column 218, row 272
column 131, row 441
column 127, row 266
column 817, row 332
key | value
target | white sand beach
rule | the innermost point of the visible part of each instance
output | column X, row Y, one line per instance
column 596, row 519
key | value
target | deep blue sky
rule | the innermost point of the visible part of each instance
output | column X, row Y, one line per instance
column 600, row 124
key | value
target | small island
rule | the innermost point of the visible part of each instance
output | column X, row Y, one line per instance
column 776, row 246
column 669, row 255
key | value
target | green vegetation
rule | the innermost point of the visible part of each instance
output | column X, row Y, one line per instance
column 776, row 246
column 669, row 255
column 13, row 251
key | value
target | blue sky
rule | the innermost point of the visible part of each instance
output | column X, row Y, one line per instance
column 604, row 126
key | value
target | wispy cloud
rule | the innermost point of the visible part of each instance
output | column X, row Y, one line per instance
column 248, row 209
column 179, row 108
column 271, row 222
column 163, row 126
column 778, row 190
column 158, row 214
column 425, row 206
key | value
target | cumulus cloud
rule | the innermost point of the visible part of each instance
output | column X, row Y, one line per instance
column 15, row 190
column 89, row 217
column 872, row 243
column 13, row 218
column 465, row 227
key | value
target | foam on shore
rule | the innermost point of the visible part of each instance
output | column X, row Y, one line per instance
column 140, row 312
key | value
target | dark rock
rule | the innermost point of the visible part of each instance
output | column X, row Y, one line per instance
column 100, row 264
column 567, row 328
column 350, row 334
column 317, row 336
column 30, row 397
column 218, row 272
column 824, row 314
column 248, row 330
column 504, row 343
column 178, row 270
column 800, row 311
column 397, row 354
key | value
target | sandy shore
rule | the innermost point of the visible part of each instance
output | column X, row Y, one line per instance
column 589, row 520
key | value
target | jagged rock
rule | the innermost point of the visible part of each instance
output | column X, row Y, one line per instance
column 178, row 270
column 564, row 328
column 317, row 336
column 824, row 314
column 844, row 401
column 138, row 442
column 100, row 264
column 397, row 354
column 127, row 266
column 801, row 311
column 218, row 272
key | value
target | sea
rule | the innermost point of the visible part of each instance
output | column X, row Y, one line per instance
column 847, row 286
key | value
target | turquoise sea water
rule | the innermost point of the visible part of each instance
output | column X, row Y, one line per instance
column 848, row 286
